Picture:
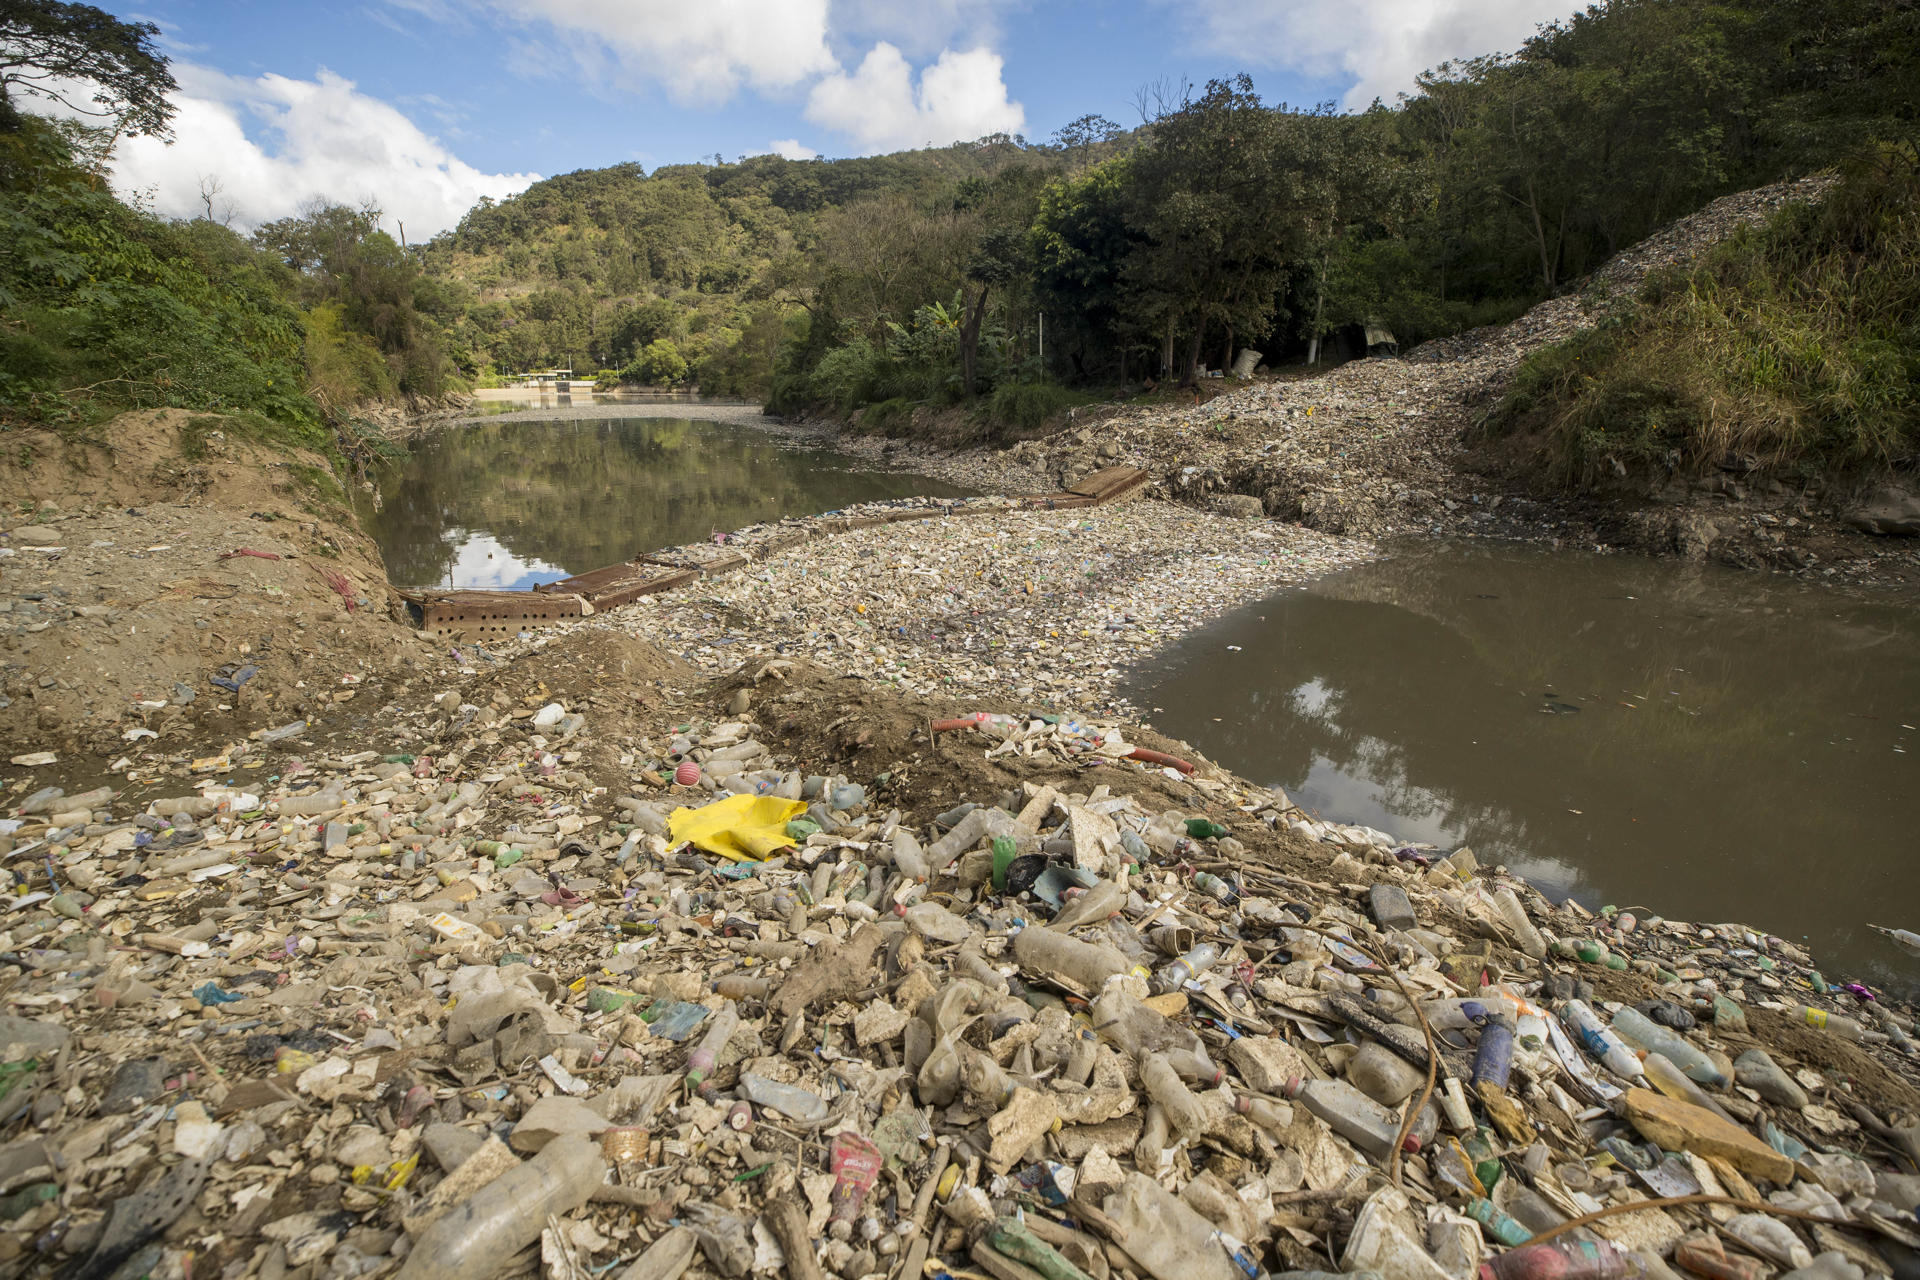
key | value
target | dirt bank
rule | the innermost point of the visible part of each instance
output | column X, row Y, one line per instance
column 166, row 552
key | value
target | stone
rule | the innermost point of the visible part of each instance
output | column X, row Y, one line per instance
column 1679, row 1126
column 1266, row 1064
column 1887, row 511
column 34, row 535
column 1244, row 505
column 134, row 1083
column 551, row 1117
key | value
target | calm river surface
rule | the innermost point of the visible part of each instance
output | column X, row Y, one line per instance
column 1711, row 744
column 509, row 504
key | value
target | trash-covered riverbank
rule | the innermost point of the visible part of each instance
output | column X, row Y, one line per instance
column 590, row 965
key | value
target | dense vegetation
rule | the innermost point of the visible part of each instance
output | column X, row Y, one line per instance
column 1792, row 349
column 1022, row 277
column 1220, row 223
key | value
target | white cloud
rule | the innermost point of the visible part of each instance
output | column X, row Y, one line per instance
column 319, row 137
column 923, row 28
column 702, row 52
column 792, row 149
column 1382, row 45
column 878, row 106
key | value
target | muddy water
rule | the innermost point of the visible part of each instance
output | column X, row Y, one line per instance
column 509, row 504
column 1711, row 744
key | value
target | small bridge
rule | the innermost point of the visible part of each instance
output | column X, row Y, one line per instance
column 485, row 615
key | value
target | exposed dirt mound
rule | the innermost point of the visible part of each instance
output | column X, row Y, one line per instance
column 163, row 553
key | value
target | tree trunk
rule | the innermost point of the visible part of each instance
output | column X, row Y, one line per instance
column 1319, row 300
column 1166, row 352
column 1190, row 364
column 1540, row 236
column 1226, row 352
column 970, row 341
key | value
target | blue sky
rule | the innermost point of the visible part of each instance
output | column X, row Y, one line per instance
column 424, row 105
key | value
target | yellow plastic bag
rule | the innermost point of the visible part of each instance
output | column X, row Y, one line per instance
column 741, row 828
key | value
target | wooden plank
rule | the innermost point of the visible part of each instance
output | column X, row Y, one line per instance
column 627, row 593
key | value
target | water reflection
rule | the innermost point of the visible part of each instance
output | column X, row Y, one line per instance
column 1708, row 743
column 508, row 504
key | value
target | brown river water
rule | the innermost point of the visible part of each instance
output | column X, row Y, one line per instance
column 1710, row 744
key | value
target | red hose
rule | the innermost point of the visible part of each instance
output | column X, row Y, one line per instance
column 1159, row 757
column 947, row 726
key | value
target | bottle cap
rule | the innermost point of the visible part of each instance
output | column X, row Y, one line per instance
column 1294, row 1085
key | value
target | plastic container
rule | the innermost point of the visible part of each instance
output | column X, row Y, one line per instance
column 1377, row 1072
column 1183, row 970
column 788, row 1099
column 1087, row 965
column 1670, row 1080
column 935, row 923
column 1831, row 1023
column 1500, row 1228
column 1136, row 1030
column 1164, row 1086
column 507, row 1214
column 1506, row 904
column 1599, row 1040
column 1213, row 886
column 1757, row 1070
column 908, row 856
column 1639, row 1030
column 1350, row 1113
column 1564, row 1259
column 1165, row 1236
column 719, row 1031
column 1267, row 1115
column 1493, row 1058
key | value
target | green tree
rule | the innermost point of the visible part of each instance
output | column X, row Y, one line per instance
column 56, row 52
column 660, row 364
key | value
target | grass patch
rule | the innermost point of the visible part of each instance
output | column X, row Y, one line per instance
column 1792, row 347
column 1029, row 406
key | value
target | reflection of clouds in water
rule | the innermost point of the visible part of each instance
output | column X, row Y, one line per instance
column 1312, row 700
column 479, row 561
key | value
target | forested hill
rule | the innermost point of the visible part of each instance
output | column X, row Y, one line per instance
column 588, row 268
column 1223, row 222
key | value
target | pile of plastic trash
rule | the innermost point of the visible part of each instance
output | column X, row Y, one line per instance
column 466, row 1017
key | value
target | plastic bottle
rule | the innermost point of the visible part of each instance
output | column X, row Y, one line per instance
column 1599, row 1041
column 1182, row 971
column 1506, row 903
column 789, row 1100
column 507, row 1214
column 1832, row 1023
column 1349, row 1113
column 1499, row 1227
column 1136, row 1030
column 719, row 1031
column 1088, row 965
column 1266, row 1114
column 1670, row 1080
column 1155, row 1134
column 935, row 923
column 1194, row 1066
column 1757, row 1070
column 1377, row 1072
column 1493, row 1058
column 1164, row 1086
column 1564, row 1259
column 1638, row 1029
column 1080, row 1059
column 1213, row 886
column 1460, row 1013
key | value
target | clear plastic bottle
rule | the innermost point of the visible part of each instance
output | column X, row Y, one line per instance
column 1832, row 1023
column 1507, row 904
column 908, row 856
column 934, row 922
column 1164, row 1086
column 1182, row 971
column 1267, row 1115
column 1598, row 1039
column 1377, row 1072
column 707, row 1052
column 1672, row 1081
column 1087, row 965
column 1638, row 1029
column 507, row 1214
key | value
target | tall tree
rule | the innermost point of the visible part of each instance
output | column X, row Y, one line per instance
column 57, row 52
